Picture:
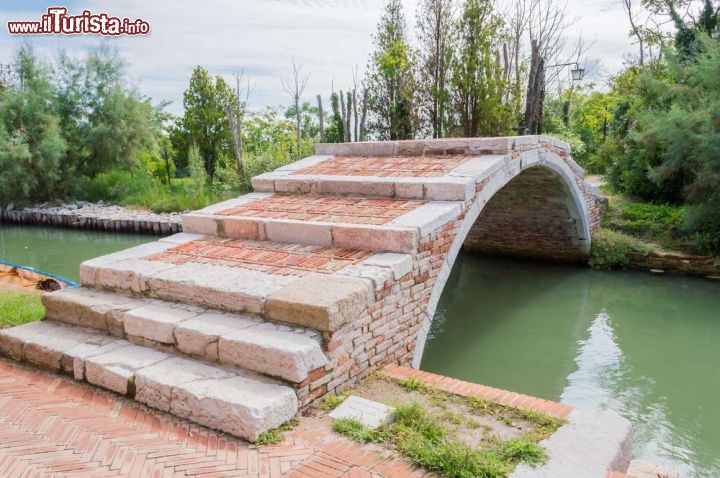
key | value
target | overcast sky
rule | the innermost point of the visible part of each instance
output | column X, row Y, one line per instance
column 327, row 37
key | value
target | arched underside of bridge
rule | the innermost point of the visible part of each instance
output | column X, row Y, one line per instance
column 535, row 216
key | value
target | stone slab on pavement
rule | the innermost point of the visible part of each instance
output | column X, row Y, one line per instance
column 370, row 413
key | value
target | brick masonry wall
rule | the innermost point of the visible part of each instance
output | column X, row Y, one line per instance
column 390, row 330
column 529, row 217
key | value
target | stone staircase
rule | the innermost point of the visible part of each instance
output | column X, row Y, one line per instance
column 270, row 300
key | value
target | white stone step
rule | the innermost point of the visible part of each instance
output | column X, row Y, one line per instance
column 243, row 340
column 226, row 398
column 235, row 289
column 456, row 184
column 260, row 217
column 280, row 283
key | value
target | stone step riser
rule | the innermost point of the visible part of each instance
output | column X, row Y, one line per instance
column 351, row 236
column 227, row 399
column 244, row 341
column 455, row 189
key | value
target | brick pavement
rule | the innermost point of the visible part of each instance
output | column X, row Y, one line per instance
column 51, row 426
column 325, row 209
column 387, row 166
column 266, row 256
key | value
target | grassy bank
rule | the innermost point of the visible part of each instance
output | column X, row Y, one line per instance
column 453, row 436
column 18, row 308
column 630, row 225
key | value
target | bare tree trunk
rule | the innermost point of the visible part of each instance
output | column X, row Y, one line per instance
column 235, row 113
column 355, row 113
column 535, row 92
column 321, row 117
column 363, row 118
column 295, row 88
column 348, row 130
column 342, row 115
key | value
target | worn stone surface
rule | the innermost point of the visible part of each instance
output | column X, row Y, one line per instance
column 590, row 444
column 320, row 302
column 195, row 335
column 154, row 384
column 287, row 355
column 87, row 307
column 242, row 406
column 369, row 413
column 115, row 370
column 157, row 321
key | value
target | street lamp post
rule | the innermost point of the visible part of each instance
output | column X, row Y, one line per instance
column 577, row 74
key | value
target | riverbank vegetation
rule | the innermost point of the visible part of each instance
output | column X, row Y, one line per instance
column 17, row 308
column 454, row 436
column 76, row 128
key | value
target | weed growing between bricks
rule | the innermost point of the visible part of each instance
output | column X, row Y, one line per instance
column 432, row 432
column 276, row 435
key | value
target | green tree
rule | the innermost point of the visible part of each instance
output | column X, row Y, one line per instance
column 478, row 83
column 106, row 123
column 335, row 131
column 390, row 79
column 204, row 123
column 31, row 146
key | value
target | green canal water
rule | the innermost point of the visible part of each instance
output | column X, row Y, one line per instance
column 60, row 251
column 645, row 346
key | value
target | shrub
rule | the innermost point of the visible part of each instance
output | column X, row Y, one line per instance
column 612, row 249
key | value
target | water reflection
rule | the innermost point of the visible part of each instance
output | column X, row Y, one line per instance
column 635, row 343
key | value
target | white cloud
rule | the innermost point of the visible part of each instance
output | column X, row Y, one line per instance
column 328, row 37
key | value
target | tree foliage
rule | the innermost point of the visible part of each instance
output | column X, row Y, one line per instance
column 390, row 78
column 478, row 84
column 204, row 123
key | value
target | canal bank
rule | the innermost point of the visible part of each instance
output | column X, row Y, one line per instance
column 95, row 216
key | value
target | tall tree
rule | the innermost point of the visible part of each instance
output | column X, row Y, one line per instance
column 31, row 146
column 477, row 74
column 434, row 28
column 204, row 123
column 390, row 79
column 295, row 87
column 336, row 128
column 235, row 108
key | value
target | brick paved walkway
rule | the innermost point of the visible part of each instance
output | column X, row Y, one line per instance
column 53, row 427
column 270, row 257
column 387, row 166
column 328, row 209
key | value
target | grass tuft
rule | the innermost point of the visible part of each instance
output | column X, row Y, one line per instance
column 358, row 432
column 276, row 435
column 412, row 385
column 17, row 308
column 331, row 402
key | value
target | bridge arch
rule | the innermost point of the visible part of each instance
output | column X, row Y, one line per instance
column 538, row 191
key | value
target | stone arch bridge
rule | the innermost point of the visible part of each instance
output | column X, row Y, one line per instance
column 331, row 268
